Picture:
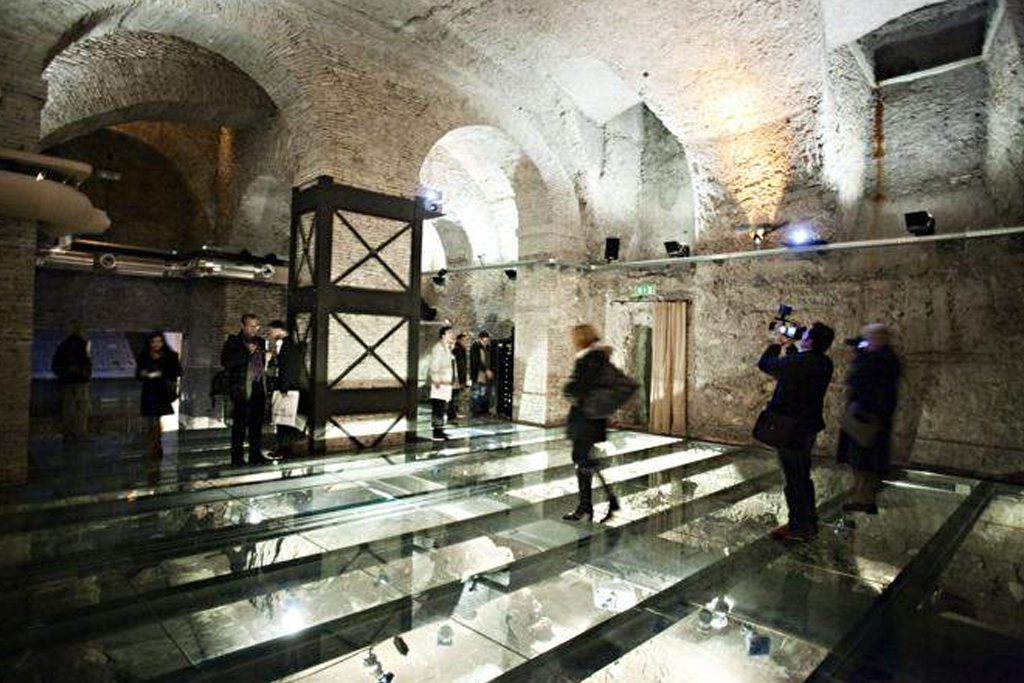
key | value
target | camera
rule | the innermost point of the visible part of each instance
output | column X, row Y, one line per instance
column 858, row 343
column 784, row 325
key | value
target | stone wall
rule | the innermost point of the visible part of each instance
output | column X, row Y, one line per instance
column 956, row 310
column 933, row 151
column 1004, row 150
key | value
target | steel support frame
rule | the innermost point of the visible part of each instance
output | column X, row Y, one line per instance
column 324, row 298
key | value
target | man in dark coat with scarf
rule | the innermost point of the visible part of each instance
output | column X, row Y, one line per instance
column 871, row 400
column 244, row 360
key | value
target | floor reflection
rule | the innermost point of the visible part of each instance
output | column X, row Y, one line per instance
column 453, row 563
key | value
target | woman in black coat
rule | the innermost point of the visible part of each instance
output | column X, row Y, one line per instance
column 591, row 359
column 159, row 369
column 871, row 397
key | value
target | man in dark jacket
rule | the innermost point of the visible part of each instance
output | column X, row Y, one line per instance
column 460, row 356
column 73, row 368
column 285, row 370
column 243, row 359
column 803, row 379
column 481, row 373
column 871, row 400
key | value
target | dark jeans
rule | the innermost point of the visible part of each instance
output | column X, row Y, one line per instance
column 796, row 468
column 480, row 398
column 438, row 408
column 247, row 420
column 453, row 405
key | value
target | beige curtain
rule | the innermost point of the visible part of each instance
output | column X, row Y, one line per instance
column 668, row 369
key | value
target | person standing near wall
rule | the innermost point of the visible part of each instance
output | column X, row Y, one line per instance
column 481, row 371
column 461, row 360
column 802, row 380
column 243, row 359
column 867, row 423
column 159, row 368
column 591, row 366
column 442, row 378
column 285, row 375
column 73, row 367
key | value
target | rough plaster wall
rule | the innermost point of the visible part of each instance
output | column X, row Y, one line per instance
column 610, row 181
column 846, row 130
column 848, row 20
column 1004, row 149
column 666, row 192
column 934, row 142
column 955, row 408
column 196, row 85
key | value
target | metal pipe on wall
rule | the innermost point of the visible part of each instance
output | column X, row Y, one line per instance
column 753, row 253
column 160, row 268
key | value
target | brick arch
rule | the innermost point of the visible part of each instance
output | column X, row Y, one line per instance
column 498, row 201
column 135, row 75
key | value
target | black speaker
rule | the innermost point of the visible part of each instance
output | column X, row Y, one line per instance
column 919, row 223
column 611, row 249
column 676, row 250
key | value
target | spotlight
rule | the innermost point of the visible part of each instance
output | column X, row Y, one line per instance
column 439, row 277
column 511, row 274
column 401, row 646
column 611, row 249
column 919, row 223
column 431, row 199
column 676, row 250
column 801, row 235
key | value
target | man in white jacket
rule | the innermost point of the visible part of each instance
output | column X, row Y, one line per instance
column 442, row 377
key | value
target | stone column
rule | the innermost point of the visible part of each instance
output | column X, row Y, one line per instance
column 17, row 263
column 549, row 301
column 20, row 103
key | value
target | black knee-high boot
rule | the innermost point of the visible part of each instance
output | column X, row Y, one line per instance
column 585, row 508
column 613, row 500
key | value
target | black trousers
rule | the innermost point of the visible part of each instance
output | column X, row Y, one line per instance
column 453, row 405
column 799, row 488
column 286, row 437
column 438, row 409
column 247, row 421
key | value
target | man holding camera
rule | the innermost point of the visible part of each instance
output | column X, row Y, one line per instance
column 802, row 378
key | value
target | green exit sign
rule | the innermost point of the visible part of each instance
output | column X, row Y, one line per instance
column 645, row 289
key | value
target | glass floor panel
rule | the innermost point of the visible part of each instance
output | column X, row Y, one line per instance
column 453, row 563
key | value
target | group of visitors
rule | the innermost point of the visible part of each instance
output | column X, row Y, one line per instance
column 256, row 367
column 456, row 366
column 794, row 417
